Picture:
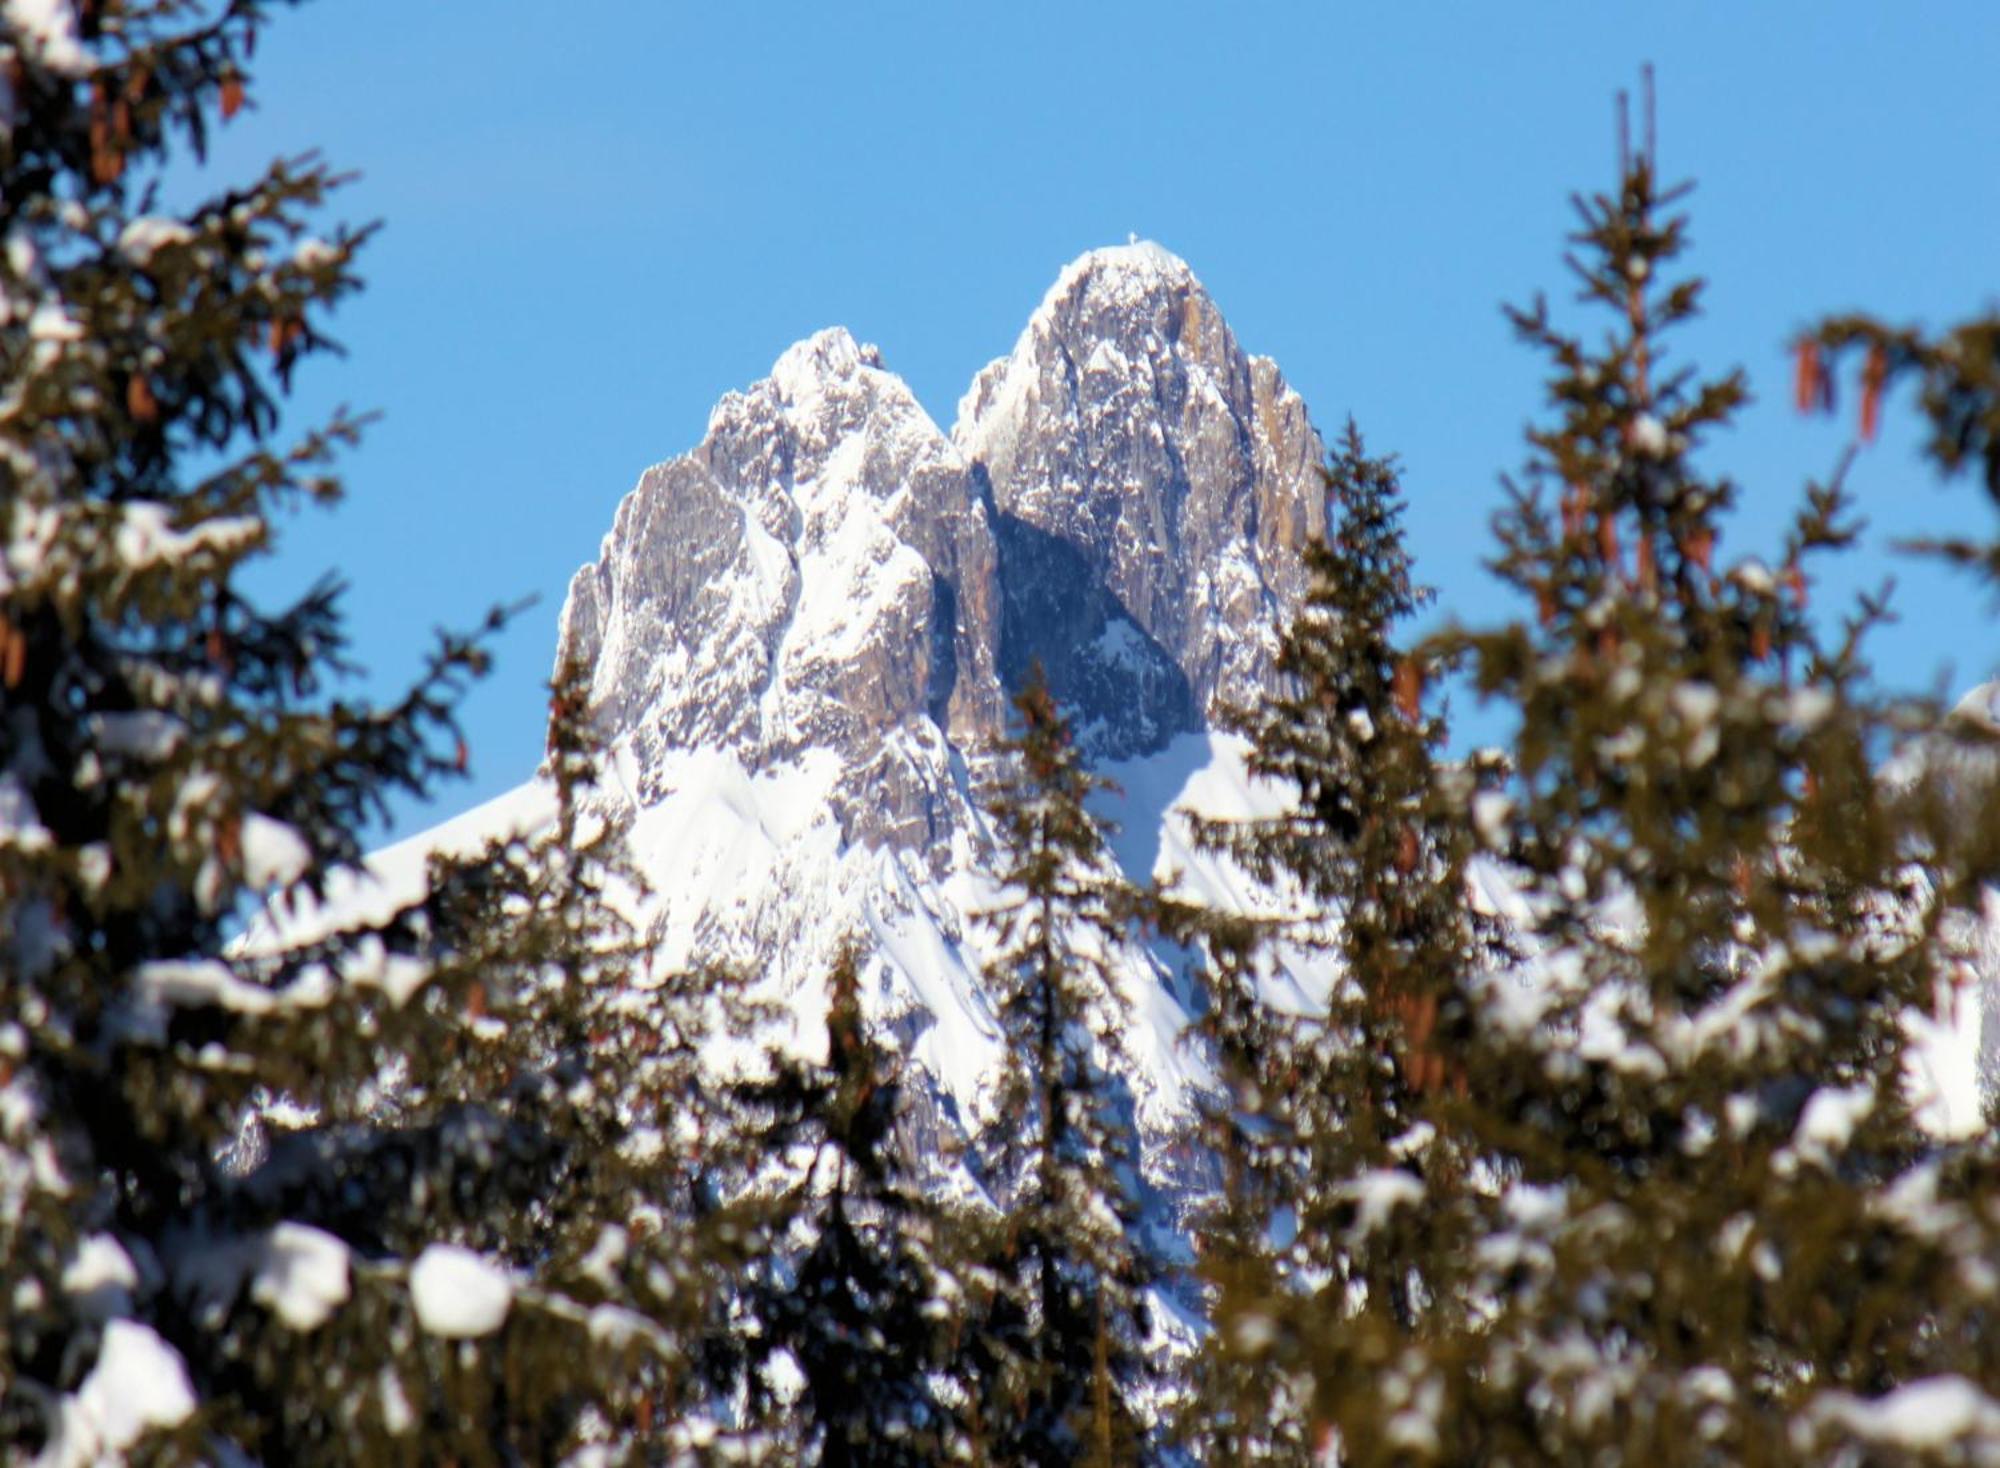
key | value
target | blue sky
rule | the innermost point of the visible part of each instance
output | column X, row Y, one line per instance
column 600, row 217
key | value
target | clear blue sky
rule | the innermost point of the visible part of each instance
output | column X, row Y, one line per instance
column 602, row 216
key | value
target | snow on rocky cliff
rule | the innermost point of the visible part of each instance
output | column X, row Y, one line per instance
column 1131, row 447
column 802, row 636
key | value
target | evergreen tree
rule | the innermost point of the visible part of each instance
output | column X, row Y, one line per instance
column 860, row 1308
column 433, row 1267
column 646, row 1203
column 1329, row 1118
column 1059, row 1324
column 1701, row 1224
column 1956, row 376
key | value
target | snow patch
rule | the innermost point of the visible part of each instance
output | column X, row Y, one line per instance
column 274, row 853
column 1935, row 1412
column 1377, row 1194
column 49, row 28
column 101, row 1278
column 193, row 983
column 459, row 1294
column 1649, row 436
column 301, row 1275
column 139, row 1385
column 148, row 234
column 146, row 538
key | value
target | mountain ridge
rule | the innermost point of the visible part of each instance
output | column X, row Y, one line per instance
column 801, row 637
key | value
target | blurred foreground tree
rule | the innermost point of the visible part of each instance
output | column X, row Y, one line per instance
column 1686, row 1212
column 499, row 1228
column 1059, row 1327
column 1326, row 1123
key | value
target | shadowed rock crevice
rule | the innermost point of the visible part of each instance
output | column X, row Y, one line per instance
column 943, row 650
column 1121, row 690
column 828, row 579
column 1129, row 423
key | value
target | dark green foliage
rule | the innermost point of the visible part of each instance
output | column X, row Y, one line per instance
column 865, row 1311
column 167, row 745
column 646, row 1203
column 1675, row 1207
column 172, row 757
column 1060, row 1322
column 1336, row 1105
column 1708, row 966
column 1956, row 374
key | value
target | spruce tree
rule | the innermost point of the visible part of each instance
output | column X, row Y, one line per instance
column 1954, row 378
column 430, row 1267
column 645, row 1207
column 860, row 1299
column 1701, row 1224
column 1058, row 1328
column 1328, row 1123
column 1955, row 374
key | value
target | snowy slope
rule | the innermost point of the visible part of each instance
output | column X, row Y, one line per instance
column 750, row 867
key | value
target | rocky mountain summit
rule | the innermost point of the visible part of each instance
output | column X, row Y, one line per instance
column 1122, row 499
column 802, row 637
column 819, row 574
column 1129, row 443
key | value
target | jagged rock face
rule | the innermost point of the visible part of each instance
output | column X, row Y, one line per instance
column 819, row 574
column 1129, row 434
column 1122, row 502
column 802, row 635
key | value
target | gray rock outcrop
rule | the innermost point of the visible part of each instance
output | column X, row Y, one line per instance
column 1121, row 502
column 1129, row 439
column 819, row 574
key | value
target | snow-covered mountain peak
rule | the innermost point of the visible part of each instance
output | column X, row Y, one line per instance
column 1121, row 503
column 827, row 361
column 816, row 574
column 1129, row 428
column 1141, row 277
column 821, row 393
column 802, row 635
column 831, row 352
column 1129, row 272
